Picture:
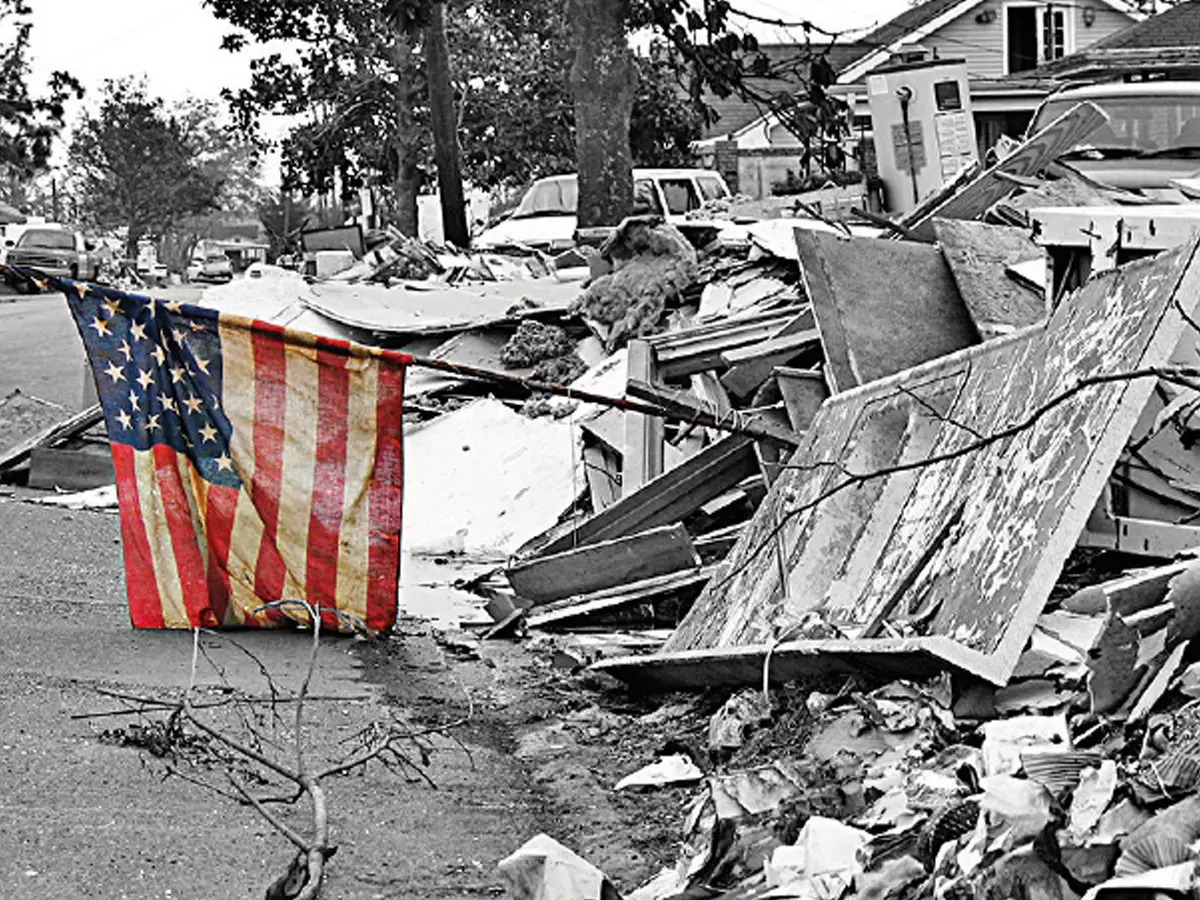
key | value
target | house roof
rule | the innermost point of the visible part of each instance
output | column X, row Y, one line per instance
column 1178, row 26
column 1169, row 41
column 734, row 113
column 910, row 20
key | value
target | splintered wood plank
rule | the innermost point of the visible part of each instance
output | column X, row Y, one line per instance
column 978, row 256
column 48, row 437
column 880, row 306
column 669, row 498
column 608, row 564
column 979, row 470
column 750, row 366
column 1069, row 129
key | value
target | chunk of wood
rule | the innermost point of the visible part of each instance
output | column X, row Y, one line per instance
column 881, row 306
column 669, row 498
column 607, row 564
column 1043, row 148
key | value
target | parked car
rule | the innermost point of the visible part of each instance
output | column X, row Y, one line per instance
column 214, row 266
column 1151, row 138
column 545, row 217
column 54, row 250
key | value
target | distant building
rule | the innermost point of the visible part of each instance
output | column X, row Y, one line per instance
column 1005, row 44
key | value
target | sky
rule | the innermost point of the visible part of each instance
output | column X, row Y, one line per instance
column 175, row 44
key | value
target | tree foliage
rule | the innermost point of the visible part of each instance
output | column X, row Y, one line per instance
column 140, row 167
column 28, row 123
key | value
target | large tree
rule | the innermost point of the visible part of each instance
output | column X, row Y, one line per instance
column 137, row 166
column 28, row 122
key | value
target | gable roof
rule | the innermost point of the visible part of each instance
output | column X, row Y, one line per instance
column 917, row 23
column 734, row 113
column 909, row 21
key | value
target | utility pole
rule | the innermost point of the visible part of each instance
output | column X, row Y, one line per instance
column 54, row 199
column 445, row 128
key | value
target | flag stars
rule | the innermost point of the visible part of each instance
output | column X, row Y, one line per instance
column 113, row 305
column 152, row 422
column 174, row 306
column 134, row 401
column 195, row 326
column 169, row 403
column 177, row 373
column 208, row 433
column 193, row 403
column 101, row 327
column 138, row 330
column 202, row 364
column 145, row 378
column 82, row 288
column 115, row 372
column 179, row 335
column 125, row 351
column 125, row 419
column 160, row 355
column 224, row 463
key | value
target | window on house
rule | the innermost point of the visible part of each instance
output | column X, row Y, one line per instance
column 1036, row 34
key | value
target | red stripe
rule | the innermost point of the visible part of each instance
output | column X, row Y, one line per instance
column 185, row 543
column 383, row 564
column 329, row 482
column 218, row 524
column 145, row 606
column 270, row 399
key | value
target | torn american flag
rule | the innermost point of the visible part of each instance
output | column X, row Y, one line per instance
column 254, row 464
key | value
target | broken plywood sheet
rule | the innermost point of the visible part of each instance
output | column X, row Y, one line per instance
column 880, row 306
column 911, row 536
column 483, row 479
column 479, row 348
column 978, row 255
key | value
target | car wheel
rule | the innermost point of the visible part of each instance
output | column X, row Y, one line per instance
column 95, row 273
column 74, row 270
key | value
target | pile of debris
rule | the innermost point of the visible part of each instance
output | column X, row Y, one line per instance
column 908, row 464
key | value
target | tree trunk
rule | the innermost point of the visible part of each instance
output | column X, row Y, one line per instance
column 405, row 187
column 603, row 84
column 406, row 141
column 444, row 120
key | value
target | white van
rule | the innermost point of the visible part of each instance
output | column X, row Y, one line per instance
column 545, row 217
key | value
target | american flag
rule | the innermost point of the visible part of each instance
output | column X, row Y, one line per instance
column 254, row 464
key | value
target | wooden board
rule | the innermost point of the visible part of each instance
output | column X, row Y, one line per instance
column 750, row 366
column 745, row 376
column 607, row 564
column 579, row 608
column 951, row 540
column 880, row 306
column 1030, row 158
column 978, row 255
column 667, row 499
column 698, row 349
column 803, row 390
column 642, row 457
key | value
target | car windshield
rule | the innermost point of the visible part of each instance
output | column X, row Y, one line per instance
column 1142, row 125
column 46, row 237
column 552, row 197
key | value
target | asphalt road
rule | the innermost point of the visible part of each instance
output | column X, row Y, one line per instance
column 82, row 816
